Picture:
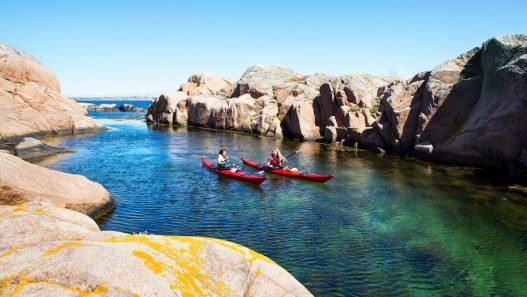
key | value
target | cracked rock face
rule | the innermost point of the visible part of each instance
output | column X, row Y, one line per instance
column 469, row 110
column 65, row 254
column 31, row 103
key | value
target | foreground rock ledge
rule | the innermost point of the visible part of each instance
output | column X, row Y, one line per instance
column 50, row 251
column 33, row 182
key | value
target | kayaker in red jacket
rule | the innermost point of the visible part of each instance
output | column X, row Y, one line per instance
column 275, row 160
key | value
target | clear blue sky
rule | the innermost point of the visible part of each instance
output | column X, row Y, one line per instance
column 136, row 47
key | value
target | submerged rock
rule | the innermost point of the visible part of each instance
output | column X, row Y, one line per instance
column 63, row 253
column 32, row 148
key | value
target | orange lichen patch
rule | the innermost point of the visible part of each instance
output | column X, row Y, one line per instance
column 20, row 207
column 136, row 295
column 149, row 262
column 4, row 285
column 9, row 252
column 60, row 247
column 249, row 255
column 20, row 285
column 185, row 265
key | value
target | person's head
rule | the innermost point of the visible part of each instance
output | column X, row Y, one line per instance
column 223, row 152
column 276, row 153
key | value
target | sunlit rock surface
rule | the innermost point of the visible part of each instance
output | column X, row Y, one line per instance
column 34, row 182
column 49, row 251
column 30, row 100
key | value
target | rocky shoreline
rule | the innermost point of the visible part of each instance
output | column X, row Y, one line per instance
column 50, row 247
column 466, row 111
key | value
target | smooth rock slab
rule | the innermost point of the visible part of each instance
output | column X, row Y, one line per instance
column 66, row 190
column 31, row 103
column 116, row 264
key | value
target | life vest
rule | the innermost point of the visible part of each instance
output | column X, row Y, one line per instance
column 275, row 161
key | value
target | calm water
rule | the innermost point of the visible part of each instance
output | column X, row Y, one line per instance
column 384, row 226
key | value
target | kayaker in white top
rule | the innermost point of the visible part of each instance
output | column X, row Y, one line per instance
column 224, row 162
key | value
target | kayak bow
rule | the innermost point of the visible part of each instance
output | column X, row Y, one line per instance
column 239, row 175
column 296, row 174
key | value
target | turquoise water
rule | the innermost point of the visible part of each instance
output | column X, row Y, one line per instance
column 384, row 226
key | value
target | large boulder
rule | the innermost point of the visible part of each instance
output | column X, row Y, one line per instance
column 37, row 221
column 261, row 79
column 358, row 89
column 408, row 108
column 325, row 105
column 468, row 110
column 169, row 109
column 400, row 109
column 495, row 129
column 265, row 121
column 299, row 122
column 206, row 84
column 31, row 103
column 48, row 251
column 247, row 108
column 200, row 109
column 62, row 189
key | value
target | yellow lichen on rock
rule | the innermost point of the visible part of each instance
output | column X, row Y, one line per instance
column 249, row 255
column 62, row 254
column 155, row 266
column 60, row 247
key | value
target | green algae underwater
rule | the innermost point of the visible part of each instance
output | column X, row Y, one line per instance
column 384, row 226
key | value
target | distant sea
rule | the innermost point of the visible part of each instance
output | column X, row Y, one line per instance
column 145, row 103
column 117, row 114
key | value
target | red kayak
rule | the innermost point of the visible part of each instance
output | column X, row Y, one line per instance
column 297, row 174
column 239, row 175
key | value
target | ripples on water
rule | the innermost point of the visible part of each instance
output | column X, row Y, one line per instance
column 384, row 226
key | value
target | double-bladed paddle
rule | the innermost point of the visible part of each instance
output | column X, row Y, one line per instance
column 261, row 172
